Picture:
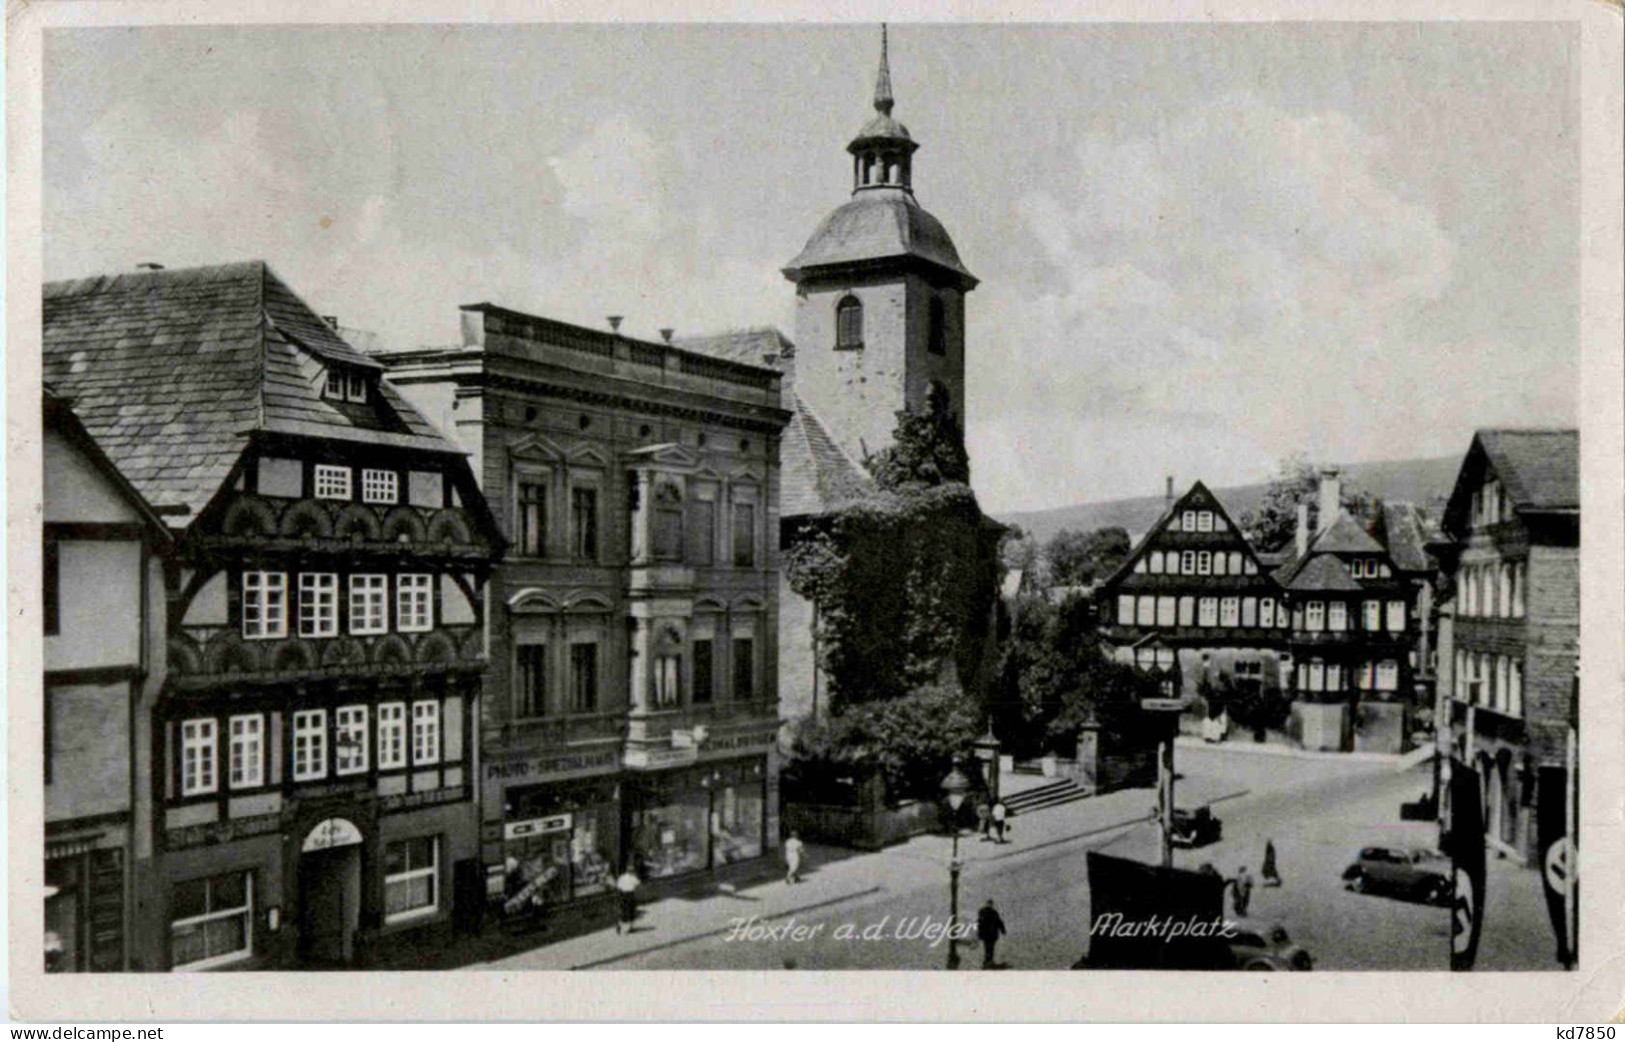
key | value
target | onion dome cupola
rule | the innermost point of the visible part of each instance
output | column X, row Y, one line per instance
column 882, row 222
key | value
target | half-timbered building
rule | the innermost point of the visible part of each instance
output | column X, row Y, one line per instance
column 312, row 748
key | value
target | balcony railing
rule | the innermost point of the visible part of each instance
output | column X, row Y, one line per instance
column 205, row 656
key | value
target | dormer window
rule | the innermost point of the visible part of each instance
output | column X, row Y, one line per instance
column 345, row 385
column 336, row 380
column 356, row 389
column 849, row 323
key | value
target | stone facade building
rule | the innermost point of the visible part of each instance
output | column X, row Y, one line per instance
column 304, row 778
column 1509, row 637
column 631, row 708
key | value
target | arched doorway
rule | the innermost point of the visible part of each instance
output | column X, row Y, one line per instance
column 329, row 893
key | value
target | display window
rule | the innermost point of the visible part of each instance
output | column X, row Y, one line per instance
column 559, row 843
column 671, row 836
column 736, row 823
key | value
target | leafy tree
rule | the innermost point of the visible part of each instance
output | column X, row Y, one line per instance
column 1274, row 523
column 1079, row 558
column 1252, row 707
column 927, row 448
column 1019, row 551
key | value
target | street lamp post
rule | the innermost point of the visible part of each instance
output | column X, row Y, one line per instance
column 954, row 787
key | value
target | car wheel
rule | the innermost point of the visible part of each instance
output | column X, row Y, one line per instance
column 1357, row 882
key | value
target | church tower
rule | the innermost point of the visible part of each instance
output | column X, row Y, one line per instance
column 880, row 294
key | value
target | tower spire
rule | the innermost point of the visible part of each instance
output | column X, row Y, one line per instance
column 883, row 98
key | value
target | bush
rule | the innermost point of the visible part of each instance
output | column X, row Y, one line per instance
column 910, row 742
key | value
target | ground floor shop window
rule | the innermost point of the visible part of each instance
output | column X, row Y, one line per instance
column 411, row 878
column 211, row 921
column 736, row 823
column 670, row 834
column 559, row 843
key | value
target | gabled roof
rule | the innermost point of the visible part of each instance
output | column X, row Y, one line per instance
column 1319, row 571
column 172, row 371
column 1197, row 497
column 1539, row 468
column 1345, row 536
column 1407, row 530
column 59, row 415
column 757, row 345
column 815, row 475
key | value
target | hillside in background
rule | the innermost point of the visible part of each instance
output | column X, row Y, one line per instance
column 1420, row 481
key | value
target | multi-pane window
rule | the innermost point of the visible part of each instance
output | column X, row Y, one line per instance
column 1187, row 611
column 744, row 533
column 425, row 732
column 1125, row 609
column 583, row 678
column 318, row 604
column 1337, row 616
column 1315, row 615
column 1230, row 611
column 368, row 612
column 356, row 388
column 668, row 686
column 414, row 603
column 391, row 735
column 1219, row 563
column 1388, row 675
column 1187, row 562
column 744, row 654
column 1372, row 615
column 1235, row 562
column 1204, row 562
column 1396, row 616
column 1204, row 521
column 350, row 739
column 530, row 528
column 530, row 680
column 246, row 756
column 1317, row 675
column 380, row 486
column 332, row 482
column 411, row 878
column 211, row 921
column 1207, row 611
column 199, row 752
column 584, row 522
column 265, row 605
column 1187, row 521
column 1266, row 612
column 1167, row 611
column 335, row 383
column 1519, row 572
column 704, row 680
column 309, row 744
column 1146, row 611
column 1170, row 562
column 849, row 323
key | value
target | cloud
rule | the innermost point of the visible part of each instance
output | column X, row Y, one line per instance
column 1244, row 276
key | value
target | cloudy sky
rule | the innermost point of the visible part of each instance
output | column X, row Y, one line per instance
column 1202, row 247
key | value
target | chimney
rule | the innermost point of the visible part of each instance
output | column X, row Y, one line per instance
column 1303, row 529
column 1168, row 493
column 1331, row 499
column 332, row 320
column 665, row 334
column 614, row 323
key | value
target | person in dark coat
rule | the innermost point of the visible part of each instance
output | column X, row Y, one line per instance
column 984, row 821
column 1268, row 874
column 989, row 928
column 626, row 887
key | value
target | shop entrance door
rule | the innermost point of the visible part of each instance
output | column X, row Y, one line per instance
column 330, row 905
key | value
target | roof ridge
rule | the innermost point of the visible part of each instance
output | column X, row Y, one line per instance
column 265, row 320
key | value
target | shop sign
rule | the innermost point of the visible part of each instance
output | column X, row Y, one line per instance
column 334, row 832
column 1157, row 705
column 536, row 826
column 652, row 758
column 735, row 742
column 509, row 770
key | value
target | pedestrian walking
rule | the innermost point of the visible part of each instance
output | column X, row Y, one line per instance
column 989, row 928
column 984, row 821
column 1268, row 873
column 626, row 886
column 1241, row 891
column 793, row 848
column 1000, row 813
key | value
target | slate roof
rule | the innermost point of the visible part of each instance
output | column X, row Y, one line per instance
column 880, row 224
column 1322, row 572
column 757, row 345
column 1407, row 530
column 1540, row 468
column 1345, row 536
column 171, row 371
column 815, row 475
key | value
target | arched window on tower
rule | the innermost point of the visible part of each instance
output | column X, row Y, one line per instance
column 849, row 323
column 936, row 327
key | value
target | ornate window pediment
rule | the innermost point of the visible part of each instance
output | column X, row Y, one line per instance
column 667, row 454
column 535, row 447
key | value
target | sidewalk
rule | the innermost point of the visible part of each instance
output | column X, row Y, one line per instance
column 831, row 876
column 1402, row 761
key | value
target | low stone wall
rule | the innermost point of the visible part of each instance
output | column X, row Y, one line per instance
column 861, row 828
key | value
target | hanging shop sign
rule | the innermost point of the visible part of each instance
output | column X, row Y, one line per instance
column 537, row 826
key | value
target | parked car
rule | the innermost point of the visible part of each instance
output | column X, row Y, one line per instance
column 1254, row 947
column 1196, row 828
column 1423, row 808
column 1418, row 874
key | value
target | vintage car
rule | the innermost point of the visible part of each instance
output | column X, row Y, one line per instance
column 1254, row 947
column 1417, row 874
column 1195, row 828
